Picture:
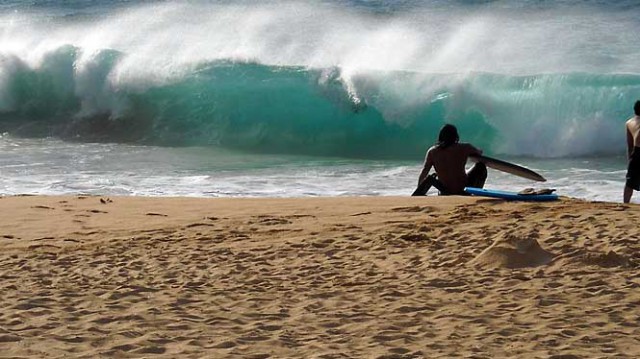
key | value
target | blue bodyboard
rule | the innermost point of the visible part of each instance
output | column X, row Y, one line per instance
column 512, row 196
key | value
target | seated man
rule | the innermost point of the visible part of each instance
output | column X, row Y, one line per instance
column 449, row 158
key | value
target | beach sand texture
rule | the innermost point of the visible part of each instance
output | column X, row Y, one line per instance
column 431, row 277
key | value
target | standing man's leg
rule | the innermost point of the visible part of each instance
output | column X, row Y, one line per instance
column 628, row 192
column 477, row 175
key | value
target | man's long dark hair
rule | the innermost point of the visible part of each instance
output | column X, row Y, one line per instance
column 636, row 108
column 448, row 136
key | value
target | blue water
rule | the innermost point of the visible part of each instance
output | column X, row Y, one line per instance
column 310, row 98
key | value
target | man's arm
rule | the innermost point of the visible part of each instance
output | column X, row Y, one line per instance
column 629, row 142
column 473, row 151
column 428, row 163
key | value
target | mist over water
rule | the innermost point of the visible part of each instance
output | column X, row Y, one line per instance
column 536, row 79
column 428, row 37
column 370, row 80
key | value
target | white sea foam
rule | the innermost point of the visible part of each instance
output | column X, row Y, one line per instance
column 108, row 169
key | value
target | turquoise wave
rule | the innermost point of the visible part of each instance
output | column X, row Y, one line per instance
column 330, row 112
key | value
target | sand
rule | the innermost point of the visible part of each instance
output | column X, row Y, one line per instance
column 432, row 277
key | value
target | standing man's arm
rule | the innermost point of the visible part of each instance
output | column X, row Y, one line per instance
column 630, row 143
column 428, row 163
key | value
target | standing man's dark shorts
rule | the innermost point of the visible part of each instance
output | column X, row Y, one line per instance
column 633, row 170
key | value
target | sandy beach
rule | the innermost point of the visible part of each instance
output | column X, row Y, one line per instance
column 368, row 277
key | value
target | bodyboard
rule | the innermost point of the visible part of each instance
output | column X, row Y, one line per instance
column 512, row 196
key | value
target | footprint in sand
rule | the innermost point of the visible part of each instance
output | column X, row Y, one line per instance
column 42, row 207
column 156, row 214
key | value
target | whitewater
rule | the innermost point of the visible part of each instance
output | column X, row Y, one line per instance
column 310, row 98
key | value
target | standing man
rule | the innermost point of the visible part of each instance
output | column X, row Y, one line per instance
column 449, row 157
column 633, row 153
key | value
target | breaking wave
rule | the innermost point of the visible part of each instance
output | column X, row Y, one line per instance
column 245, row 80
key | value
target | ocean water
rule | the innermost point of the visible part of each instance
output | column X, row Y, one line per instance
column 310, row 98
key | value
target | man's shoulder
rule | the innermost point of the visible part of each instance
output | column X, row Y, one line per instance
column 466, row 146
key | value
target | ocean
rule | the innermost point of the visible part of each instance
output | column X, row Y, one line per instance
column 235, row 98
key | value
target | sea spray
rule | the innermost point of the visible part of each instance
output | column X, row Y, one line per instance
column 346, row 79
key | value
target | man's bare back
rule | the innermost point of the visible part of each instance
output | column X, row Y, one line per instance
column 449, row 164
column 449, row 158
column 633, row 132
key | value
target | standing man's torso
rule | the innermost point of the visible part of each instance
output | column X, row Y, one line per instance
column 633, row 126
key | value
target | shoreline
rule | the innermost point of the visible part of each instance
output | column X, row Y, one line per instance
column 91, row 276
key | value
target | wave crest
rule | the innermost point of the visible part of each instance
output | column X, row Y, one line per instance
column 76, row 94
